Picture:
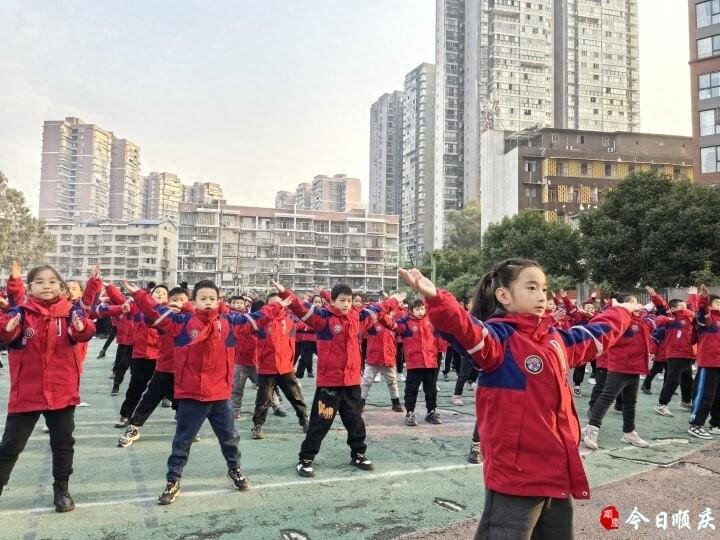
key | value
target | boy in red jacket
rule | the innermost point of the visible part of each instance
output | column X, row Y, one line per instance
column 276, row 351
column 203, row 375
column 421, row 362
column 338, row 373
column 706, row 400
column 44, row 334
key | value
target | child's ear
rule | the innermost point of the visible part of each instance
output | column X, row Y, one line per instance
column 502, row 295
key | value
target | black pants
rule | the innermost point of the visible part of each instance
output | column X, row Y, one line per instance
column 304, row 357
column 289, row 386
column 327, row 403
column 123, row 356
column 679, row 373
column 19, row 426
column 141, row 371
column 476, row 434
column 509, row 517
column 428, row 378
column 161, row 386
column 655, row 370
column 616, row 384
column 706, row 397
column 399, row 358
column 467, row 372
column 191, row 415
column 450, row 359
column 600, row 376
column 110, row 338
column 363, row 354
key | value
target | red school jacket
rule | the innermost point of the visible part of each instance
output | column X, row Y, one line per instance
column 45, row 355
column 145, row 342
column 529, row 430
column 276, row 346
column 124, row 333
column 419, row 348
column 708, row 325
column 631, row 352
column 204, row 340
column 337, row 338
column 381, row 345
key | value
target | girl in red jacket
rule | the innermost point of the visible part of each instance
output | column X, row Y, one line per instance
column 421, row 362
column 44, row 333
column 381, row 351
column 707, row 382
column 306, row 344
column 529, row 431
column 203, row 369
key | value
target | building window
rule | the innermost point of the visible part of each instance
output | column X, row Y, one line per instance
column 562, row 168
column 584, row 168
column 709, row 159
column 709, row 85
column 609, row 169
column 580, row 139
column 531, row 193
column 707, row 13
column 631, row 169
column 709, row 122
column 605, row 141
column 530, row 166
column 708, row 46
column 555, row 137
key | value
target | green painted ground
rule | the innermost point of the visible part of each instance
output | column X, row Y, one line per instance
column 417, row 470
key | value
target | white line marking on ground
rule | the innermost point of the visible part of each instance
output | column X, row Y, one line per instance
column 259, row 487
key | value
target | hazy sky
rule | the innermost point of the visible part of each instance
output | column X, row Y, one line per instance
column 256, row 95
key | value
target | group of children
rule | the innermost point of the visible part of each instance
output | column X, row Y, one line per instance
column 521, row 347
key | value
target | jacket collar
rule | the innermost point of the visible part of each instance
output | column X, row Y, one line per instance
column 534, row 325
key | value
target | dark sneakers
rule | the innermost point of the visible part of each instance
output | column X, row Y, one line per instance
column 362, row 462
column 62, row 499
column 396, row 405
column 238, row 479
column 257, row 432
column 305, row 468
column 172, row 490
column 433, row 417
column 123, row 423
column 475, row 455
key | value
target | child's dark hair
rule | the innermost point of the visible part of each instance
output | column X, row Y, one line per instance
column 314, row 296
column 32, row 274
column 151, row 285
column 503, row 274
column 271, row 295
column 674, row 303
column 177, row 290
column 340, row 288
column 161, row 286
column 624, row 297
column 417, row 303
column 712, row 298
column 257, row 305
column 233, row 298
column 205, row 284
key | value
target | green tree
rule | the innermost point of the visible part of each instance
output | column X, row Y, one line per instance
column 554, row 245
column 22, row 237
column 652, row 230
column 465, row 230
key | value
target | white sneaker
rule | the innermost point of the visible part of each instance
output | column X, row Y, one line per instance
column 377, row 378
column 634, row 439
column 590, row 436
column 713, row 430
column 685, row 405
column 699, row 432
column 401, row 377
column 663, row 410
column 457, row 400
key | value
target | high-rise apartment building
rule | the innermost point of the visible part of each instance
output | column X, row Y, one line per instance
column 417, row 168
column 516, row 64
column 386, row 156
column 203, row 193
column 75, row 171
column 126, row 183
column 303, row 196
column 705, row 88
column 163, row 195
column 285, row 199
column 245, row 247
column 337, row 193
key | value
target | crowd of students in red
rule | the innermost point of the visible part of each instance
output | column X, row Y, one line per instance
column 521, row 345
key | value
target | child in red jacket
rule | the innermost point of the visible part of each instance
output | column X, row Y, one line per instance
column 529, row 431
column 162, row 382
column 338, row 372
column 420, row 361
column 305, row 342
column 44, row 333
column 381, row 361
column 203, row 375
column 276, row 351
column 707, row 382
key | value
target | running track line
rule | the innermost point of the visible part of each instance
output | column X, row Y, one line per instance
column 259, row 487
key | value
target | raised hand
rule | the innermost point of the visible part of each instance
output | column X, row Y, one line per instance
column 126, row 308
column 15, row 270
column 277, row 286
column 562, row 293
column 632, row 307
column 650, row 290
column 13, row 323
column 418, row 282
column 131, row 287
column 286, row 302
column 704, row 290
column 692, row 290
column 175, row 306
column 77, row 322
column 4, row 304
column 399, row 296
column 95, row 272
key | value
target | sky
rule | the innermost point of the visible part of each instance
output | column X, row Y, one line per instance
column 255, row 95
